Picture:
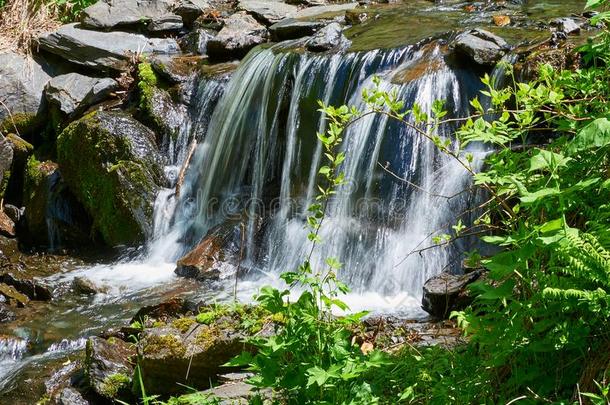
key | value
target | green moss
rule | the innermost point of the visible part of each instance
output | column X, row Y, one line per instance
column 4, row 183
column 207, row 336
column 162, row 343
column 20, row 145
column 183, row 324
column 114, row 384
column 147, row 84
column 84, row 149
column 197, row 398
column 20, row 122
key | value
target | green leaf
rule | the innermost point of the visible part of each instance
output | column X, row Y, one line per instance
column 594, row 135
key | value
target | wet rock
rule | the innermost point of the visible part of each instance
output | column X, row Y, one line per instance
column 240, row 34
column 196, row 41
column 267, row 11
column 6, row 314
column 111, row 164
column 328, row 38
column 13, row 185
column 110, row 14
column 109, row 367
column 22, row 82
column 14, row 213
column 73, row 92
column 290, row 28
column 165, row 311
column 447, row 292
column 53, row 217
column 568, row 25
column 562, row 56
column 84, row 286
column 356, row 16
column 7, row 226
column 164, row 115
column 70, row 396
column 32, row 289
column 215, row 251
column 169, row 351
column 483, row 47
column 175, row 70
column 12, row 296
column 103, row 50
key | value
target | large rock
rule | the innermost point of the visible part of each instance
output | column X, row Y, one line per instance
column 447, row 292
column 111, row 14
column 109, row 366
column 268, row 11
column 111, row 164
column 168, row 352
column 328, row 38
column 70, row 396
column 216, row 252
column 240, row 34
column 53, row 216
column 483, row 47
column 103, row 50
column 10, row 294
column 22, row 82
column 189, row 10
column 291, row 28
column 73, row 93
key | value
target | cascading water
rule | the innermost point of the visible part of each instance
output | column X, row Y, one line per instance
column 260, row 157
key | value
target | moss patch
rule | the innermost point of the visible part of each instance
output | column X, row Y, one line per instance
column 160, row 343
column 114, row 384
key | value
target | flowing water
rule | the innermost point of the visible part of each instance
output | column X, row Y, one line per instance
column 255, row 169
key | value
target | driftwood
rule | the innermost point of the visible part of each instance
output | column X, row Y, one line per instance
column 189, row 156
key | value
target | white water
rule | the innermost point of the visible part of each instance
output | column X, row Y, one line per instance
column 259, row 149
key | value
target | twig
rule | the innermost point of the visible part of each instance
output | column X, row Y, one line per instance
column 185, row 166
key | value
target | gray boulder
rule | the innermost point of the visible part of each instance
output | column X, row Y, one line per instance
column 103, row 50
column 109, row 367
column 166, row 23
column 240, row 34
column 568, row 25
column 268, row 11
column 73, row 93
column 111, row 14
column 22, row 82
column 111, row 163
column 447, row 292
column 483, row 47
column 290, row 28
column 328, row 38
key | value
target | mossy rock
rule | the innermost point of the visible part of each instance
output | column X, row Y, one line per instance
column 200, row 344
column 36, row 190
column 109, row 367
column 157, row 107
column 111, row 163
column 53, row 217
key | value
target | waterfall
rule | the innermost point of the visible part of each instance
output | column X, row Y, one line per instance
column 260, row 156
